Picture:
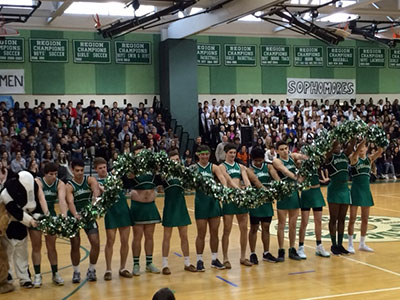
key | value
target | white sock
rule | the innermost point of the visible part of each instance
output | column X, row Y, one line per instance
column 92, row 267
column 362, row 241
column 214, row 256
column 164, row 262
column 251, row 253
column 76, row 268
column 199, row 257
column 266, row 252
column 187, row 261
column 350, row 240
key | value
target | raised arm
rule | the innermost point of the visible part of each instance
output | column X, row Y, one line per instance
column 353, row 157
column 376, row 155
column 329, row 154
column 350, row 147
column 69, row 191
column 298, row 158
column 62, row 202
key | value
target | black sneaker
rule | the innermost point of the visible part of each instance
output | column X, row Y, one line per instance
column 214, row 264
column 335, row 250
column 293, row 254
column 200, row 266
column 270, row 258
column 27, row 285
column 343, row 250
column 281, row 255
column 254, row 259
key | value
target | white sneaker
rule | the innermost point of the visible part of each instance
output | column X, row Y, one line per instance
column 57, row 279
column 37, row 281
column 320, row 251
column 301, row 253
column 350, row 248
column 365, row 248
column 394, row 178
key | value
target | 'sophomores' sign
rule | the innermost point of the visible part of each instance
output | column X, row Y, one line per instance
column 12, row 82
column 312, row 88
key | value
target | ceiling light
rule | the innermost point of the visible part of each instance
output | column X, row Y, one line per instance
column 389, row 18
column 375, row 5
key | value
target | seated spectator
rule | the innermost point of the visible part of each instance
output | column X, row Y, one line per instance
column 18, row 163
column 243, row 155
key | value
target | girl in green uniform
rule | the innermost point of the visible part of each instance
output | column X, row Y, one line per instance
column 207, row 211
column 175, row 214
column 236, row 173
column 259, row 174
column 82, row 190
column 360, row 192
column 53, row 189
column 338, row 193
column 117, row 217
column 286, row 167
column 312, row 198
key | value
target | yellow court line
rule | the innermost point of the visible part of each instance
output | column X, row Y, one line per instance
column 353, row 293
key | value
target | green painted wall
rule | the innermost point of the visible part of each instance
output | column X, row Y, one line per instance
column 74, row 79
column 272, row 80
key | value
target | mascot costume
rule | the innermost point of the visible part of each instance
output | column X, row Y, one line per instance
column 19, row 197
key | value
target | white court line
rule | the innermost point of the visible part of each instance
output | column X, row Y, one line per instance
column 352, row 294
column 344, row 257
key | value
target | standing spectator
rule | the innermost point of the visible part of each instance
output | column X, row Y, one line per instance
column 389, row 167
column 219, row 152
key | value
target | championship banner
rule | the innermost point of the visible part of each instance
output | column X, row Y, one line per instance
column 12, row 82
column 312, row 88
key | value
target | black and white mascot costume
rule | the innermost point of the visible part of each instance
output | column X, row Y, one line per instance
column 20, row 197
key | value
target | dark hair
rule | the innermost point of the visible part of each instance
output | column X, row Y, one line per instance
column 50, row 167
column 99, row 161
column 280, row 143
column 77, row 163
column 257, row 152
column 137, row 147
column 173, row 153
column 203, row 148
column 229, row 146
column 164, row 294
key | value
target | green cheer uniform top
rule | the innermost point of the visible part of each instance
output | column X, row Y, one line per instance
column 233, row 171
column 144, row 212
column 117, row 215
column 312, row 197
column 82, row 197
column 292, row 201
column 206, row 207
column 263, row 175
column 338, row 189
column 175, row 212
column 360, row 189
column 50, row 194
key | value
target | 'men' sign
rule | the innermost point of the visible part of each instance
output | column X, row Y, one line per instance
column 12, row 82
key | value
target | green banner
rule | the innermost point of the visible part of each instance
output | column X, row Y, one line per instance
column 340, row 56
column 275, row 55
column 48, row 50
column 308, row 56
column 12, row 50
column 133, row 52
column 240, row 55
column 92, row 51
column 394, row 58
column 208, row 54
column 371, row 57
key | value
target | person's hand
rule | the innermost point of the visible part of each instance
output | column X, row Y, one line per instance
column 300, row 179
column 33, row 223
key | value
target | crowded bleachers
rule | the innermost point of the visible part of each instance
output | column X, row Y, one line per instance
column 296, row 122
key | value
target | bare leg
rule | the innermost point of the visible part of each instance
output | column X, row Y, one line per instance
column 183, row 230
column 213, row 223
column 253, row 237
column 108, row 250
column 137, row 240
column 242, row 220
column 201, row 235
column 305, row 215
column 281, row 226
column 51, row 248
column 265, row 235
column 94, row 240
column 124, row 233
column 228, row 219
column 166, row 241
column 75, row 251
column 293, row 215
column 36, row 240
